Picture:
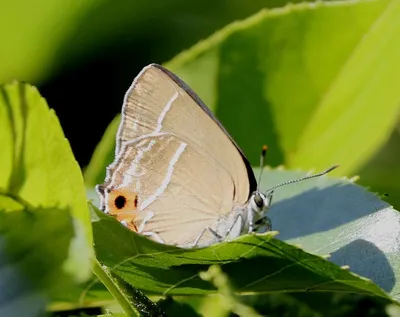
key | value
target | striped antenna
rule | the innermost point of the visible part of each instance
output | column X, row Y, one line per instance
column 303, row 178
column 262, row 158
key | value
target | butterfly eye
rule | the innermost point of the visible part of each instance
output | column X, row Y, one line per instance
column 259, row 200
column 120, row 202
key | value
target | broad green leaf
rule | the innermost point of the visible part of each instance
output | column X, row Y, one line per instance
column 103, row 155
column 32, row 35
column 177, row 307
column 233, row 302
column 382, row 172
column 93, row 293
column 133, row 302
column 203, row 305
column 302, row 81
column 339, row 304
column 51, row 27
column 34, row 252
column 270, row 264
column 336, row 217
column 37, row 164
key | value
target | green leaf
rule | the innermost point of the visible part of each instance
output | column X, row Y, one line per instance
column 270, row 264
column 178, row 308
column 335, row 216
column 37, row 164
column 382, row 172
column 340, row 304
column 229, row 70
column 221, row 281
column 302, row 81
column 52, row 26
column 34, row 255
column 103, row 155
column 46, row 26
column 133, row 302
column 91, row 294
column 36, row 161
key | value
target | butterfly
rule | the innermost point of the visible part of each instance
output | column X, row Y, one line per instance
column 178, row 176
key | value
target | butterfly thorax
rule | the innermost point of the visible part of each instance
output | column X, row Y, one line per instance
column 244, row 219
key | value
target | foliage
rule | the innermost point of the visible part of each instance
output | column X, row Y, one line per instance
column 304, row 78
column 45, row 230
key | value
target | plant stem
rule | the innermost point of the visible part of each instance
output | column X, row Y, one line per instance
column 115, row 291
column 17, row 199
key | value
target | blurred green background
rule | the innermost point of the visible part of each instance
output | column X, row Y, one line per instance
column 84, row 55
column 318, row 84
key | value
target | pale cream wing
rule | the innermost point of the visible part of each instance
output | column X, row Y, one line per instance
column 158, row 102
column 176, row 165
column 179, row 191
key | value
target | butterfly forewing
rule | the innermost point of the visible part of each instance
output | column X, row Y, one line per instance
column 183, row 170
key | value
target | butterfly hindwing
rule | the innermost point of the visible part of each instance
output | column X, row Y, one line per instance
column 184, row 169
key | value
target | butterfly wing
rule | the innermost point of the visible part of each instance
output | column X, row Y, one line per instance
column 176, row 169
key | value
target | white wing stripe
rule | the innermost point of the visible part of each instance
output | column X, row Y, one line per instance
column 167, row 178
column 134, row 167
column 164, row 112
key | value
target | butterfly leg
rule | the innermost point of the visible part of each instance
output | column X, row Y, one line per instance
column 147, row 218
column 263, row 225
column 153, row 235
column 236, row 233
column 216, row 235
column 149, row 215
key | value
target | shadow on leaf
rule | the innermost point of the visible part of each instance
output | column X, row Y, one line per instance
column 359, row 252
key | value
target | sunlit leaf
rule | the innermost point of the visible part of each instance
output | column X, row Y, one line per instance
column 37, row 166
column 34, row 251
column 302, row 81
column 274, row 265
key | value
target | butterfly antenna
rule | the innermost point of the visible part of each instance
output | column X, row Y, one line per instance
column 262, row 158
column 303, row 178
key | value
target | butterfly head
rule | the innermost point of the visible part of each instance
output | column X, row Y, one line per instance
column 260, row 202
column 258, row 206
column 119, row 202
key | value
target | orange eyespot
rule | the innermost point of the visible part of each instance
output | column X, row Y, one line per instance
column 122, row 204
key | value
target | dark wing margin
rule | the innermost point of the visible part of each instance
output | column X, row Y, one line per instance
column 196, row 98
